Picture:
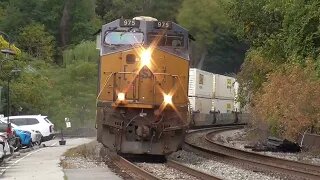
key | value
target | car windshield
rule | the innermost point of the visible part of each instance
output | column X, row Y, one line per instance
column 123, row 38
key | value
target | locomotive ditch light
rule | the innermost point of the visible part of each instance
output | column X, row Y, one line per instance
column 121, row 96
column 167, row 99
column 146, row 57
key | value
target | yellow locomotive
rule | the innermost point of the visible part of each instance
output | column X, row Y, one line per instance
column 142, row 104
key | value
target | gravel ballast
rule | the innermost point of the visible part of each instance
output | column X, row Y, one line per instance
column 237, row 139
column 164, row 172
column 216, row 168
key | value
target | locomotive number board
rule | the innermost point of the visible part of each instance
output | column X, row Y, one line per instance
column 163, row 24
column 129, row 23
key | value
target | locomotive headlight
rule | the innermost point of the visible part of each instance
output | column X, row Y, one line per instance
column 167, row 99
column 146, row 57
column 121, row 96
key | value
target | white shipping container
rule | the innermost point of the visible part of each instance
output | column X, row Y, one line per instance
column 203, row 105
column 223, row 87
column 223, row 105
column 200, row 83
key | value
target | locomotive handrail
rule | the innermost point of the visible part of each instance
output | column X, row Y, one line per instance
column 137, row 73
column 105, row 84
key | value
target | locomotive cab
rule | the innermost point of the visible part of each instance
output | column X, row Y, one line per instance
column 142, row 104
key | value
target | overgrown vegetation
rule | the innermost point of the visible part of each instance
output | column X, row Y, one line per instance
column 88, row 151
column 289, row 100
column 280, row 75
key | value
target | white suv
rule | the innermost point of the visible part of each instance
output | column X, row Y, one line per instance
column 35, row 122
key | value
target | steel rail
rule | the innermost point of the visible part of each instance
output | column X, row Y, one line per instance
column 301, row 169
column 191, row 171
column 215, row 127
column 123, row 163
column 289, row 167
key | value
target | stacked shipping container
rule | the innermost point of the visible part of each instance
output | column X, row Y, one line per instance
column 211, row 92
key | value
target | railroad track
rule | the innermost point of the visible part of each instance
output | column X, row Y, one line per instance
column 121, row 162
column 269, row 163
column 191, row 171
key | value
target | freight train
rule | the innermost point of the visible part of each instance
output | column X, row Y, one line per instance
column 142, row 102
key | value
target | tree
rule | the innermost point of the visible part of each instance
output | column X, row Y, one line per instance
column 204, row 23
column 36, row 41
column 74, row 87
column 110, row 10
column 280, row 75
column 225, row 55
column 84, row 22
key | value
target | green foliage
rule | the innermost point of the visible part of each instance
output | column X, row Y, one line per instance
column 37, row 42
column 26, row 88
column 203, row 23
column 74, row 87
column 225, row 55
column 164, row 10
column 27, row 91
column 252, row 20
column 283, row 36
column 83, row 52
column 83, row 21
column 81, row 24
column 215, row 48
column 281, row 31
column 284, row 30
column 114, row 9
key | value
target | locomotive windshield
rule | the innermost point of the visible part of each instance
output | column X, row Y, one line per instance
column 123, row 38
column 173, row 40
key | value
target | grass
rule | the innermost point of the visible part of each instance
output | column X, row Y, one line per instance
column 86, row 151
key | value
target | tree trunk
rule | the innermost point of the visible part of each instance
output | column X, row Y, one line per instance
column 202, row 59
column 65, row 24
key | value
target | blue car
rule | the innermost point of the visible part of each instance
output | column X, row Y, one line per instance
column 24, row 136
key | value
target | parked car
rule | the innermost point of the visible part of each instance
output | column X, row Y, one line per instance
column 36, row 136
column 35, row 122
column 2, row 148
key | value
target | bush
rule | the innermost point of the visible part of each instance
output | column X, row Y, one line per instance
column 289, row 100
